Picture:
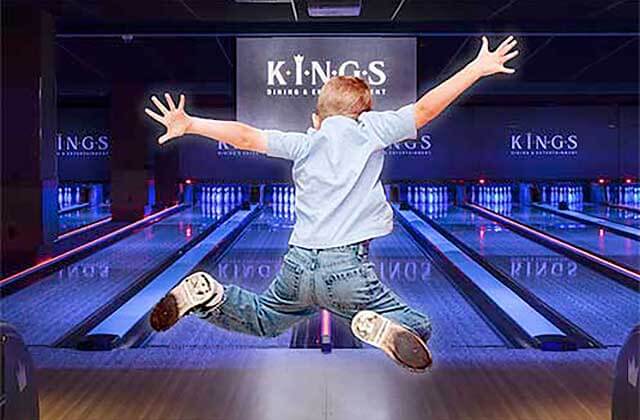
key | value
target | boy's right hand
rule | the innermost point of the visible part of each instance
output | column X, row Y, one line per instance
column 176, row 120
column 491, row 62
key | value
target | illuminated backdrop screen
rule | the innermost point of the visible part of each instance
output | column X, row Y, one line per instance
column 278, row 79
column 277, row 82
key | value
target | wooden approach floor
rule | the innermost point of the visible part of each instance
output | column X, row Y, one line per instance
column 282, row 384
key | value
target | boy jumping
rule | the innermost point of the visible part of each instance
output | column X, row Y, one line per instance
column 340, row 207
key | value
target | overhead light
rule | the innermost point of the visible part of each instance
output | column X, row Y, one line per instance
column 334, row 8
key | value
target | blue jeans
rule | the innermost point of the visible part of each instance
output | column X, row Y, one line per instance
column 340, row 279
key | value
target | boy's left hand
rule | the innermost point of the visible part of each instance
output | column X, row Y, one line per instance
column 492, row 62
column 176, row 120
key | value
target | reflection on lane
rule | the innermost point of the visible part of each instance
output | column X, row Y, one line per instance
column 48, row 309
column 82, row 217
column 254, row 259
column 623, row 250
column 251, row 262
column 402, row 266
column 598, row 305
column 614, row 214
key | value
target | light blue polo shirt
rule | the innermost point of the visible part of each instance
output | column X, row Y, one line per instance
column 336, row 170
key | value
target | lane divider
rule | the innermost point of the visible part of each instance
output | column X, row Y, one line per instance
column 75, row 207
column 620, row 229
column 84, row 228
column 516, row 319
column 582, row 338
column 624, row 207
column 71, row 336
column 561, row 244
column 126, row 325
column 50, row 263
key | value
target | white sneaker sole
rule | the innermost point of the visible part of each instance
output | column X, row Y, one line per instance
column 199, row 288
column 398, row 342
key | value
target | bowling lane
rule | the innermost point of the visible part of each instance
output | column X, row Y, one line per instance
column 600, row 306
column 82, row 217
column 613, row 214
column 255, row 257
column 617, row 248
column 251, row 262
column 45, row 311
column 410, row 273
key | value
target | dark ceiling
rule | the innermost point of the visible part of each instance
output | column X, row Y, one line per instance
column 421, row 11
column 566, row 46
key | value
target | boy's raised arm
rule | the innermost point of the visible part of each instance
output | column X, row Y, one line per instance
column 239, row 135
column 178, row 123
column 486, row 63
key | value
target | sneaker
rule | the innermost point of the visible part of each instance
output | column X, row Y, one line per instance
column 399, row 343
column 195, row 290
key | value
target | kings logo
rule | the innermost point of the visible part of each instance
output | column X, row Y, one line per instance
column 527, row 144
column 313, row 73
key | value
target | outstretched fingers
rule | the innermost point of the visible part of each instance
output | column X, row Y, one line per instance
column 509, row 56
column 505, row 43
column 172, row 106
column 159, row 105
column 181, row 103
column 505, row 47
column 154, row 115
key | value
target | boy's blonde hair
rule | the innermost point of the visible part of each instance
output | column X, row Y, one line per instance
column 344, row 95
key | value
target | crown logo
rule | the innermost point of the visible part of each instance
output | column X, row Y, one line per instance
column 632, row 372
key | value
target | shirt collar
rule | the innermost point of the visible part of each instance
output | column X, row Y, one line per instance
column 332, row 121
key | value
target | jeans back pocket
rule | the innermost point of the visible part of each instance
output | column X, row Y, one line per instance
column 287, row 284
column 349, row 289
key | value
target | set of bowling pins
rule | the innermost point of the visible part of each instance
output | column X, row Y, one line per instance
column 491, row 194
column 554, row 194
column 624, row 194
column 283, row 194
column 216, row 200
column 430, row 194
column 68, row 196
column 220, row 194
column 283, row 201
